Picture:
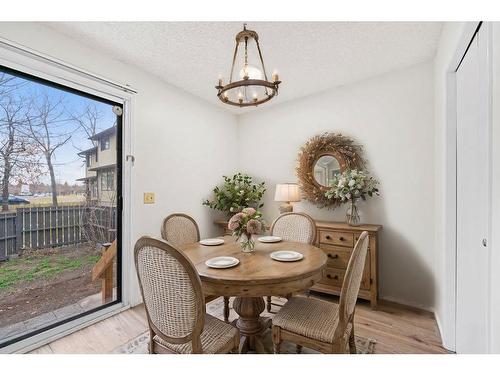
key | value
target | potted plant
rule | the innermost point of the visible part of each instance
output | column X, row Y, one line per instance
column 349, row 186
column 244, row 224
column 236, row 193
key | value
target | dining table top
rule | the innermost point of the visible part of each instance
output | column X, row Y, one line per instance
column 256, row 267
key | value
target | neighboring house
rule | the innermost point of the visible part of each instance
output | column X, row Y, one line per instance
column 100, row 167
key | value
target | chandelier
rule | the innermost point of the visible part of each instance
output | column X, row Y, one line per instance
column 251, row 86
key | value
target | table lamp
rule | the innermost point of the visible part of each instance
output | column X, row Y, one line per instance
column 287, row 193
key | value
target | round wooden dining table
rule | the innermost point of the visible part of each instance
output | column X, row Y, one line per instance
column 257, row 275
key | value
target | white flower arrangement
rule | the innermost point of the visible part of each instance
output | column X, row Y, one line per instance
column 351, row 185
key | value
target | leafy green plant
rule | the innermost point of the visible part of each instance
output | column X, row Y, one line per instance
column 236, row 193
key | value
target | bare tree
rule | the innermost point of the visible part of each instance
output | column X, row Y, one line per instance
column 7, row 84
column 18, row 158
column 88, row 120
column 45, row 124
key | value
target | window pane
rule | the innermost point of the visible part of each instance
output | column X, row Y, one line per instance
column 59, row 215
column 111, row 180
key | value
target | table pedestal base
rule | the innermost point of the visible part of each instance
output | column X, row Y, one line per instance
column 250, row 324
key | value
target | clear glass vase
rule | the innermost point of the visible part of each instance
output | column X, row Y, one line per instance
column 247, row 243
column 352, row 214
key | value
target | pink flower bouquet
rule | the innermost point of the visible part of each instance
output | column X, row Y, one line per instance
column 244, row 224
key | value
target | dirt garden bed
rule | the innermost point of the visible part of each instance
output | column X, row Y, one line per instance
column 45, row 280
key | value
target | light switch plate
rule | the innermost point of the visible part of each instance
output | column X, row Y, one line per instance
column 149, row 198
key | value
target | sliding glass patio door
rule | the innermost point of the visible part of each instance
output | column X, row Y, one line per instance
column 60, row 216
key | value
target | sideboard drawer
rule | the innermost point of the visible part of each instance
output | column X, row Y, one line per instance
column 338, row 257
column 336, row 238
column 333, row 276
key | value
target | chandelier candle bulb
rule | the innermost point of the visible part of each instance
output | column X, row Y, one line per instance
column 275, row 77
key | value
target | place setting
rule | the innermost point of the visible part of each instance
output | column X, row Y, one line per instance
column 286, row 256
column 222, row 262
column 212, row 241
column 269, row 239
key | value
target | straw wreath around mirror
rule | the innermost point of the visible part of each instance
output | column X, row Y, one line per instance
column 319, row 159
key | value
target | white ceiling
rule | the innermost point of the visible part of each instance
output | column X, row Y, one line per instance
column 309, row 56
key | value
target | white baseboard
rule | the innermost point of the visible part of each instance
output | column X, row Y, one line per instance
column 447, row 345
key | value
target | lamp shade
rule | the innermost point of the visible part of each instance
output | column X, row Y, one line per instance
column 287, row 193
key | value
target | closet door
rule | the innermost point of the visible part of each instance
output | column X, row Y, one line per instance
column 473, row 180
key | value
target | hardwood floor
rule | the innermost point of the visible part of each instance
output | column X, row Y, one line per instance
column 396, row 328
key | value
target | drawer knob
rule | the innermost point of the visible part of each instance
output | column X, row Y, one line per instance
column 333, row 256
column 341, row 238
column 335, row 277
column 328, row 237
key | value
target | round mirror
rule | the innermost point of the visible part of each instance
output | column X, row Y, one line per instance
column 320, row 159
column 325, row 169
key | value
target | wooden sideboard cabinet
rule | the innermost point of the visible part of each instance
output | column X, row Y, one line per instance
column 337, row 240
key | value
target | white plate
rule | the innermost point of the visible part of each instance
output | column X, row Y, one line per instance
column 269, row 239
column 222, row 262
column 286, row 256
column 212, row 241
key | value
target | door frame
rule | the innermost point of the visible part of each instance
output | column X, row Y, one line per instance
column 450, row 188
column 31, row 62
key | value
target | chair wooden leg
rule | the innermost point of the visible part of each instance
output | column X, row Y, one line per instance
column 352, row 342
column 299, row 349
column 268, row 304
column 236, row 347
column 226, row 309
column 150, row 346
column 276, row 333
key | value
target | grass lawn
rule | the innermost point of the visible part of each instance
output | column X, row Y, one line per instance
column 33, row 267
column 71, row 199
column 45, row 280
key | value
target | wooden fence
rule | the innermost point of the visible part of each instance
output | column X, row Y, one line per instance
column 44, row 227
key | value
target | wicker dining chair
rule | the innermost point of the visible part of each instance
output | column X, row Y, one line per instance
column 180, row 229
column 320, row 325
column 296, row 227
column 175, row 307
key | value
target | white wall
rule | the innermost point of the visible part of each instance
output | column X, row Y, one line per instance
column 392, row 116
column 181, row 144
